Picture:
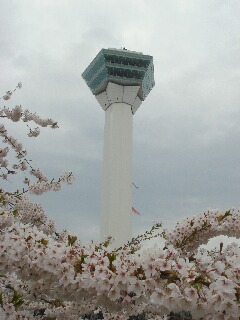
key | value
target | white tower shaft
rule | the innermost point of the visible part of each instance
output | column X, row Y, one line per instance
column 117, row 164
column 120, row 81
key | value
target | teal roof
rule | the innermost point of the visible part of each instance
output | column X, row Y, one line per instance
column 122, row 67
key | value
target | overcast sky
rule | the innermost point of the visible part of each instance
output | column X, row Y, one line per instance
column 186, row 150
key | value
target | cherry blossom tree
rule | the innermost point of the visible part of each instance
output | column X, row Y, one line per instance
column 49, row 274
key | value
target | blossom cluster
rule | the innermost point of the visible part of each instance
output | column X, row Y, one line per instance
column 23, row 164
column 55, row 273
column 17, row 113
column 44, row 186
column 9, row 93
column 47, row 274
column 192, row 232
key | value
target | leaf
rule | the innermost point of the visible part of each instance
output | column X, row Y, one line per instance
column 17, row 299
column 71, row 240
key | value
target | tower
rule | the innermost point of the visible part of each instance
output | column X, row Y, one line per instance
column 120, row 81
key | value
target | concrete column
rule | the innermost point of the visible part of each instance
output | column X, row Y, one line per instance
column 116, row 205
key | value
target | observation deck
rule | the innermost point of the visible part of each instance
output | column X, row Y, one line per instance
column 122, row 67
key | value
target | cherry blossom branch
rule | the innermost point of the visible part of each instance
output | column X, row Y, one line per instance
column 8, row 94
